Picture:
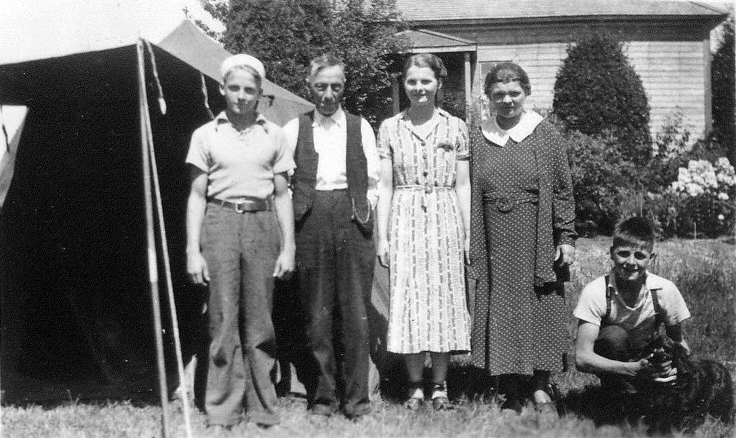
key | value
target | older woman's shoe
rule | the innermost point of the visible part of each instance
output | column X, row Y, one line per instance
column 546, row 404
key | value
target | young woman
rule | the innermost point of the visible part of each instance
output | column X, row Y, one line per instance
column 423, row 218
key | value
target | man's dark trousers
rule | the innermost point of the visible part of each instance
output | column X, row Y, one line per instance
column 335, row 262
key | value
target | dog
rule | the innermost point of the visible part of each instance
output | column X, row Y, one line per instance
column 702, row 388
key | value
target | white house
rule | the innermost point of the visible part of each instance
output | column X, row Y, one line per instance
column 667, row 42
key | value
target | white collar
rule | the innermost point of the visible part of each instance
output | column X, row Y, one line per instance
column 338, row 117
column 221, row 118
column 494, row 133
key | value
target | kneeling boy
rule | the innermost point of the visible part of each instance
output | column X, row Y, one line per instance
column 617, row 313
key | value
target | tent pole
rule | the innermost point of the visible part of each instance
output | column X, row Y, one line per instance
column 151, row 243
column 169, row 283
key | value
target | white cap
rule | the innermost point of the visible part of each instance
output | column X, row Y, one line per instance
column 242, row 59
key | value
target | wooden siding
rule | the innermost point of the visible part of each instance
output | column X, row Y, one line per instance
column 564, row 31
column 673, row 75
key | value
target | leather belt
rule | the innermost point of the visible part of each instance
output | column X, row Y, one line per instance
column 506, row 203
column 245, row 205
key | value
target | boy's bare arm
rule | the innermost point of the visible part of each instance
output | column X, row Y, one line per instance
column 587, row 360
column 285, row 263
column 196, row 206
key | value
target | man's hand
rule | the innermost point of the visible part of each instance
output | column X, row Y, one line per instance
column 197, row 271
column 466, row 248
column 285, row 265
column 382, row 252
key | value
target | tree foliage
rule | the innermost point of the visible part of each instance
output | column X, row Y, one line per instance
column 598, row 93
column 287, row 34
column 722, row 80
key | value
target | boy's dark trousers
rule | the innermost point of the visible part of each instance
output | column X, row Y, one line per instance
column 612, row 344
column 335, row 263
column 241, row 251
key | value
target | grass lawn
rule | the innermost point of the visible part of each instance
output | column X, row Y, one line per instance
column 704, row 270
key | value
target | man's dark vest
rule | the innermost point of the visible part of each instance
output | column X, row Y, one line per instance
column 305, row 175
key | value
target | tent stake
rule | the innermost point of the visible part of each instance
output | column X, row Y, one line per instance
column 169, row 282
column 151, row 243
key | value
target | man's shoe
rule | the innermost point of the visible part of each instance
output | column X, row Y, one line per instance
column 322, row 409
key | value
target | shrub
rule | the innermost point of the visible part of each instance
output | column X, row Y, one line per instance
column 598, row 93
column 601, row 177
column 722, row 78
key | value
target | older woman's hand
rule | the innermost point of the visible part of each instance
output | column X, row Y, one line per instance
column 564, row 255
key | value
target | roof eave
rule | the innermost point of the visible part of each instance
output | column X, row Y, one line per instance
column 712, row 19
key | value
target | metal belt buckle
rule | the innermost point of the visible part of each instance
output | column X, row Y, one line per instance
column 240, row 204
column 504, row 204
column 428, row 188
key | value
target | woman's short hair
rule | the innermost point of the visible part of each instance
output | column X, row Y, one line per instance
column 426, row 60
column 324, row 61
column 635, row 231
column 507, row 72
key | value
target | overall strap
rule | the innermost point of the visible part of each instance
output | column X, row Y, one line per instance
column 658, row 314
column 608, row 301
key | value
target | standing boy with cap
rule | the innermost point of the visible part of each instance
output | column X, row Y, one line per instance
column 240, row 235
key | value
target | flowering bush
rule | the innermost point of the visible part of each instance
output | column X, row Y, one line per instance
column 705, row 191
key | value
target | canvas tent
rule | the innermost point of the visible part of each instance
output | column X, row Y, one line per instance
column 73, row 256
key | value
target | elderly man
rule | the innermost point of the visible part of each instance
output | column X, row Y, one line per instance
column 240, row 235
column 334, row 191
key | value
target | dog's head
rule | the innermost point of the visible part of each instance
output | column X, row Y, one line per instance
column 662, row 348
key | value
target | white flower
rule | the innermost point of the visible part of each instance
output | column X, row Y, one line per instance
column 723, row 196
column 694, row 189
column 723, row 163
column 721, row 217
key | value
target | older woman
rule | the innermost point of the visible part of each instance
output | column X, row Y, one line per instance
column 522, row 237
column 423, row 212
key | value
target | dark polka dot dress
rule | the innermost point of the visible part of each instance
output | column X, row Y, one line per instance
column 517, row 327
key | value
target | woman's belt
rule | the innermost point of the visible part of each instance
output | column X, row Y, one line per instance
column 506, row 203
column 247, row 204
column 426, row 188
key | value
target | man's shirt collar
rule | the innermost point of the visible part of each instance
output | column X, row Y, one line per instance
column 337, row 118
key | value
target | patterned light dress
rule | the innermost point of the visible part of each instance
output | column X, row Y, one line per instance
column 521, row 207
column 427, row 309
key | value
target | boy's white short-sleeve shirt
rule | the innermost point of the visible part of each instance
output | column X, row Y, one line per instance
column 240, row 164
column 638, row 320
